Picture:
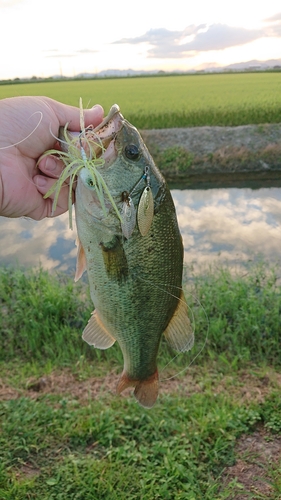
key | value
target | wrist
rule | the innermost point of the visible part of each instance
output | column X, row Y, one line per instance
column 4, row 168
column 1, row 187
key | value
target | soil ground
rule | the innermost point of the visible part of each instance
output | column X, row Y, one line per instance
column 256, row 453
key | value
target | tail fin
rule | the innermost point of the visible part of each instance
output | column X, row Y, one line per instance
column 146, row 391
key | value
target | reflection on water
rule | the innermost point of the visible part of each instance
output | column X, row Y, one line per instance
column 232, row 225
column 29, row 243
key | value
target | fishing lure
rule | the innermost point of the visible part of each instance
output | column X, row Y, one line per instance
column 85, row 150
column 128, row 214
column 146, row 206
column 145, row 212
column 82, row 151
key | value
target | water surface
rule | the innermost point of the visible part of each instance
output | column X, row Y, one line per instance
column 221, row 225
column 231, row 225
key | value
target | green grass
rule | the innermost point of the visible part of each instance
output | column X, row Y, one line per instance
column 243, row 312
column 59, row 445
column 119, row 451
column 173, row 101
column 43, row 316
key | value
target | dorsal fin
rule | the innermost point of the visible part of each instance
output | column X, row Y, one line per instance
column 179, row 333
column 81, row 264
column 96, row 334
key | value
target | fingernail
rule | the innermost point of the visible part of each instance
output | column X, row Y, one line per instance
column 97, row 106
column 40, row 181
column 51, row 164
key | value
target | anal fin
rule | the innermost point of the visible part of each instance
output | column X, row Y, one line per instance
column 146, row 391
column 96, row 334
column 179, row 333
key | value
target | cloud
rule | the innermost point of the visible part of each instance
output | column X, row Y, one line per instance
column 235, row 224
column 29, row 243
column 221, row 36
column 86, row 51
column 193, row 39
column 60, row 56
column 55, row 53
column 274, row 28
column 274, row 18
column 162, row 35
column 9, row 3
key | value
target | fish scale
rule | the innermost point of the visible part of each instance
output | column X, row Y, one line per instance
column 135, row 282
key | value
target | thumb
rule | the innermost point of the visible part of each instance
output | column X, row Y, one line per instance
column 93, row 116
column 71, row 115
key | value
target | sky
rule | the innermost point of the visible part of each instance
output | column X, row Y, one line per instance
column 63, row 37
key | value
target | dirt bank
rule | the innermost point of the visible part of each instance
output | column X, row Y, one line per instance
column 188, row 152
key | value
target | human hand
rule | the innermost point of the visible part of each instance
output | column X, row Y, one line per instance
column 26, row 124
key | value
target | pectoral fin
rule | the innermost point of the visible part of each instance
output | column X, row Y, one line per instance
column 179, row 333
column 115, row 260
column 81, row 264
column 96, row 334
column 146, row 391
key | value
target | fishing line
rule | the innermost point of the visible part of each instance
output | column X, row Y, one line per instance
column 29, row 135
column 199, row 352
column 193, row 322
column 169, row 293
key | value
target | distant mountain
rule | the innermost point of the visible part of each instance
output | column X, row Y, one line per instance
column 208, row 67
column 255, row 64
column 118, row 72
column 213, row 67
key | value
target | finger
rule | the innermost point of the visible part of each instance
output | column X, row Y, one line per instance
column 93, row 116
column 51, row 166
column 71, row 115
column 43, row 185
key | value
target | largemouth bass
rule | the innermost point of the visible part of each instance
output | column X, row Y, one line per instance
column 133, row 254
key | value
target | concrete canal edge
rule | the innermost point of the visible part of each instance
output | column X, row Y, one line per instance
column 192, row 154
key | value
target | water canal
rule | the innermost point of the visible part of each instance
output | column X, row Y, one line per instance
column 219, row 225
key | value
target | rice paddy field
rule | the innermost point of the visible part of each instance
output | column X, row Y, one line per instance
column 172, row 101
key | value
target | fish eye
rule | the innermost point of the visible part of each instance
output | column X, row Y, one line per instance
column 90, row 182
column 132, row 152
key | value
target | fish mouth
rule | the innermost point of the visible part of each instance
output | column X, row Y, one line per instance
column 107, row 131
column 99, row 141
column 96, row 150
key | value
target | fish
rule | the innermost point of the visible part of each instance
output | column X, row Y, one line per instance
column 132, row 251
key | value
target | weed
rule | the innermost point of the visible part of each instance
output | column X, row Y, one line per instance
column 55, row 445
column 42, row 316
column 244, row 314
column 174, row 161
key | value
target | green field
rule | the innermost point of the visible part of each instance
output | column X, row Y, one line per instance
column 65, row 435
column 173, row 101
